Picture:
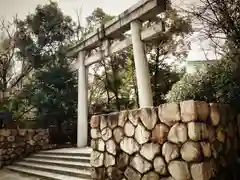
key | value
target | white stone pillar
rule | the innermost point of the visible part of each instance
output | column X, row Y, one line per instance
column 141, row 66
column 82, row 123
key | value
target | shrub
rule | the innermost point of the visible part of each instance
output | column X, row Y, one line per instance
column 217, row 83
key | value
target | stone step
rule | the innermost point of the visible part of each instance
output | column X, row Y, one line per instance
column 62, row 163
column 55, row 169
column 83, row 152
column 61, row 157
column 43, row 174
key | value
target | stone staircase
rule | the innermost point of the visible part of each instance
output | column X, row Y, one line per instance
column 60, row 164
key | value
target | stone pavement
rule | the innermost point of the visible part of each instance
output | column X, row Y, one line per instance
column 9, row 175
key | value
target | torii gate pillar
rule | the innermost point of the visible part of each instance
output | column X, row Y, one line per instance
column 141, row 66
column 143, row 10
column 82, row 122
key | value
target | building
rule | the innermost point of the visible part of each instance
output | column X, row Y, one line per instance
column 194, row 66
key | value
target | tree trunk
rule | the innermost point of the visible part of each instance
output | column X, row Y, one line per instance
column 114, row 71
column 134, row 82
column 118, row 105
column 155, row 80
column 106, row 74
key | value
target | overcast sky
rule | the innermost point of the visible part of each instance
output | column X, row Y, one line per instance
column 9, row 8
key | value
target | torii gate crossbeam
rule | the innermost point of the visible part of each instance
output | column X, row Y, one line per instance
column 130, row 19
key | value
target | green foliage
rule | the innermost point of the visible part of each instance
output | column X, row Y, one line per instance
column 115, row 77
column 97, row 18
column 168, row 53
column 114, row 82
column 42, row 34
column 51, row 94
column 162, row 80
column 218, row 83
column 220, row 23
column 55, row 95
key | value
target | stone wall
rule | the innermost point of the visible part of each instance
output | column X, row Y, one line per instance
column 18, row 143
column 191, row 140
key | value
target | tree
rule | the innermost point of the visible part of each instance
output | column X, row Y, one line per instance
column 41, row 39
column 97, row 18
column 218, row 83
column 110, row 77
column 7, row 52
column 119, row 71
column 168, row 52
column 41, row 35
column 219, row 22
column 12, row 71
column 13, row 74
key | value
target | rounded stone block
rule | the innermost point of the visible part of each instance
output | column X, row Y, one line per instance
column 118, row 134
column 201, row 171
column 160, row 165
column 178, row 133
column 5, row 132
column 106, row 134
column 206, row 149
column 179, row 170
column 98, row 144
column 149, row 117
column 170, row 151
column 203, row 110
column 129, row 129
column 109, row 160
column 111, row 147
column 103, row 121
column 11, row 139
column 160, row 133
column 214, row 114
column 220, row 135
column 211, row 134
column 97, row 159
column 167, row 178
column 130, row 173
column 149, row 150
column 129, row 145
column 198, row 131
column 134, row 116
column 122, row 160
column 140, row 164
column 188, row 111
column 114, row 173
column 191, row 151
column 95, row 133
column 169, row 113
column 216, row 149
column 141, row 134
column 194, row 110
column 150, row 176
column 123, row 117
column 112, row 120
column 95, row 173
column 95, row 121
column 22, row 132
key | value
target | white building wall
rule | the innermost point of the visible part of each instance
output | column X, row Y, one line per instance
column 194, row 66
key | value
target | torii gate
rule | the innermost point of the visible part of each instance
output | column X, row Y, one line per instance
column 131, row 19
